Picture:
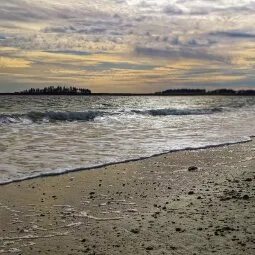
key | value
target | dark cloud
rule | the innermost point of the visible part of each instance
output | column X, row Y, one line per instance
column 179, row 54
column 96, row 30
column 94, row 26
column 70, row 52
column 57, row 30
column 32, row 11
column 173, row 10
column 124, row 65
column 200, row 42
column 21, row 11
column 68, row 29
column 235, row 34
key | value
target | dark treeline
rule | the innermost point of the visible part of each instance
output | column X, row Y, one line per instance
column 51, row 90
column 227, row 92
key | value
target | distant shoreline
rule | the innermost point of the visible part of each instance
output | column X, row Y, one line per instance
column 121, row 94
column 74, row 91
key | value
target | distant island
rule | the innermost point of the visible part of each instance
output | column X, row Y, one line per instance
column 51, row 90
column 71, row 90
column 201, row 92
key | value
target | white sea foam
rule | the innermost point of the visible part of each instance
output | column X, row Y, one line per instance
column 84, row 214
column 33, row 237
column 73, row 224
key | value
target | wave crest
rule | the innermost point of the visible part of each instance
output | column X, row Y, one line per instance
column 64, row 116
column 50, row 116
column 170, row 111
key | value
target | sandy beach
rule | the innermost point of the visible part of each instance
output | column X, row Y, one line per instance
column 151, row 206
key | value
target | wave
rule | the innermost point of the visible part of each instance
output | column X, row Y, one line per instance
column 171, row 111
column 98, row 166
column 52, row 116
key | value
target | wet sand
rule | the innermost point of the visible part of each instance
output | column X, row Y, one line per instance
column 151, row 206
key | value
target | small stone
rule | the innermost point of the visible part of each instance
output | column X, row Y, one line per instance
column 135, row 230
column 191, row 192
column 178, row 229
column 246, row 197
column 248, row 179
column 192, row 168
column 149, row 248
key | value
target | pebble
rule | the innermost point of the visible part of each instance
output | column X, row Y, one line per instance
column 149, row 248
column 192, row 168
column 135, row 230
column 246, row 197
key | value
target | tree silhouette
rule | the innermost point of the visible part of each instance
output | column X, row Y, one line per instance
column 59, row 90
column 222, row 92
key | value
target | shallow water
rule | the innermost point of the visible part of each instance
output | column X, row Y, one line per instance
column 52, row 134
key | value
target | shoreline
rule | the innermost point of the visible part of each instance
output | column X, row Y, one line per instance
column 149, row 206
column 130, row 95
column 49, row 174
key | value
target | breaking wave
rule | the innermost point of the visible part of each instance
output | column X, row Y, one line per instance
column 50, row 116
column 96, row 166
column 91, row 115
column 166, row 112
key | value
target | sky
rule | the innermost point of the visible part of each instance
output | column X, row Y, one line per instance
column 127, row 45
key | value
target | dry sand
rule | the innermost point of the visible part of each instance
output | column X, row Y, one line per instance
column 151, row 206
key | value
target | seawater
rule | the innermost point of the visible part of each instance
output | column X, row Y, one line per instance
column 44, row 135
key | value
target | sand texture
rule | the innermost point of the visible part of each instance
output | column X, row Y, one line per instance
column 151, row 206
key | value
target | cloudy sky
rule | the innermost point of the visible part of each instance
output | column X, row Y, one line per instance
column 127, row 45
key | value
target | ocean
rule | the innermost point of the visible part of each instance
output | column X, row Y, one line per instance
column 47, row 135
